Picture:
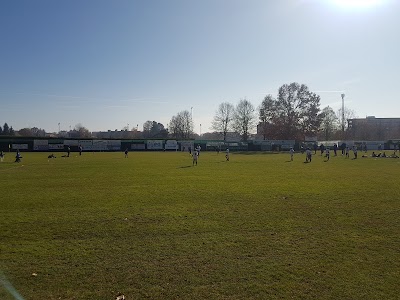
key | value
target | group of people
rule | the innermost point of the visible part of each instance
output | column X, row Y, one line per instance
column 18, row 156
column 394, row 155
column 345, row 151
column 196, row 153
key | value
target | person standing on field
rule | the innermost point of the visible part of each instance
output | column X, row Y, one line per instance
column 347, row 150
column 308, row 155
column 327, row 153
column 315, row 148
column 322, row 148
column 227, row 154
column 195, row 157
column 291, row 153
column 1, row 155
column 198, row 150
column 126, row 153
column 355, row 151
column 18, row 157
column 343, row 148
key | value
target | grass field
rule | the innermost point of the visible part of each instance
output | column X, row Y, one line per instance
column 153, row 227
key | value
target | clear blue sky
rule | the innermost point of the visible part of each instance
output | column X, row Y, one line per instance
column 106, row 64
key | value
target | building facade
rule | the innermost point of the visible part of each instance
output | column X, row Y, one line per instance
column 372, row 128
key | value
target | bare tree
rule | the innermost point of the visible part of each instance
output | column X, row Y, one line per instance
column 6, row 129
column 32, row 132
column 147, row 128
column 265, row 115
column 348, row 114
column 329, row 124
column 223, row 118
column 294, row 114
column 244, row 118
column 181, row 125
column 80, row 132
column 153, row 129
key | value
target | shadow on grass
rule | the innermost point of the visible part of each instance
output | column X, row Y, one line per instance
column 184, row 167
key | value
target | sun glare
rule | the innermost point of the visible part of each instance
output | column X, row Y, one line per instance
column 357, row 3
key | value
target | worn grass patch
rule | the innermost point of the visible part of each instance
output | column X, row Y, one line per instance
column 152, row 226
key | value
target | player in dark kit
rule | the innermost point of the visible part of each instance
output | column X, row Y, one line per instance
column 18, row 157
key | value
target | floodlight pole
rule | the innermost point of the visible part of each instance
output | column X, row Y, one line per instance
column 59, row 128
column 343, row 115
column 191, row 120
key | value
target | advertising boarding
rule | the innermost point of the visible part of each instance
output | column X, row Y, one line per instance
column 114, row 145
column 171, row 145
column 40, row 145
column 87, row 145
column 185, row 145
column 19, row 146
column 138, row 147
column 155, row 145
column 100, row 145
column 56, row 146
column 71, row 142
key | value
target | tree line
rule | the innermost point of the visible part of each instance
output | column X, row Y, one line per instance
column 28, row 132
column 292, row 115
column 6, row 130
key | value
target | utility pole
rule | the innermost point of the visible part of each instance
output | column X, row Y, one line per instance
column 191, row 126
column 343, row 115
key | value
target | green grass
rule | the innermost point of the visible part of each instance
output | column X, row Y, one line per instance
column 154, row 227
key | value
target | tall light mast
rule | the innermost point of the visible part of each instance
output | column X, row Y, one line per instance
column 343, row 114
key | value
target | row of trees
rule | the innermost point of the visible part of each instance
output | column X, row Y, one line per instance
column 28, row 132
column 153, row 129
column 294, row 114
column 240, row 119
column 331, row 126
column 31, row 132
column 6, row 130
column 78, row 132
